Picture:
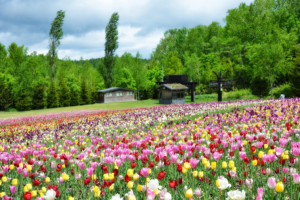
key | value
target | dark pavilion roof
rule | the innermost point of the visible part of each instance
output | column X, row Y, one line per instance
column 114, row 89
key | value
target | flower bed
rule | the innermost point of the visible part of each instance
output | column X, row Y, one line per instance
column 144, row 154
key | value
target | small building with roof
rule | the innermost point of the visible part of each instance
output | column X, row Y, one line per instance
column 172, row 93
column 115, row 94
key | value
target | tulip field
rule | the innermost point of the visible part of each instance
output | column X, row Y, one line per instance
column 231, row 150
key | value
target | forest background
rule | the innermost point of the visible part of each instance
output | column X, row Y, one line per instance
column 258, row 46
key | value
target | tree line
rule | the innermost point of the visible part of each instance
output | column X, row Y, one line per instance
column 258, row 47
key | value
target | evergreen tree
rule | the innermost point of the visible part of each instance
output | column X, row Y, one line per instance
column 295, row 76
column 24, row 101
column 64, row 95
column 260, row 86
column 111, row 45
column 38, row 101
column 74, row 97
column 52, row 98
column 84, row 94
column 55, row 34
column 5, row 95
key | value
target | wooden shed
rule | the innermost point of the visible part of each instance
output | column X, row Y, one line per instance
column 115, row 94
column 172, row 93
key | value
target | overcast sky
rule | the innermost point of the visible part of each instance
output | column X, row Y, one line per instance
column 142, row 23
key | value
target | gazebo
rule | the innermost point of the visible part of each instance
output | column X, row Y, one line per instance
column 172, row 93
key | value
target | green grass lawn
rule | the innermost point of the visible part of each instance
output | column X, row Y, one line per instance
column 115, row 105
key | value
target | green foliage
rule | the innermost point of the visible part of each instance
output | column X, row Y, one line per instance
column 125, row 80
column 64, row 94
column 74, row 97
column 237, row 94
column 111, row 45
column 3, row 52
column 38, row 99
column 286, row 89
column 260, row 86
column 172, row 64
column 84, row 93
column 5, row 95
column 56, row 33
column 295, row 76
column 24, row 101
column 52, row 97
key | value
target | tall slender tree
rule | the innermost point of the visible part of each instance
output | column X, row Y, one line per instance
column 111, row 44
column 56, row 33
column 38, row 101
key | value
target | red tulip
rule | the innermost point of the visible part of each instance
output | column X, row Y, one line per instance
column 27, row 196
column 172, row 184
column 36, row 182
column 252, row 148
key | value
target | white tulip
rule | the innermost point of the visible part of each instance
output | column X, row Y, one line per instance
column 116, row 197
column 223, row 183
column 236, row 195
column 154, row 185
column 168, row 196
column 50, row 195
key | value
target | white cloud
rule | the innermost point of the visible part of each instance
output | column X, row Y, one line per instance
column 141, row 25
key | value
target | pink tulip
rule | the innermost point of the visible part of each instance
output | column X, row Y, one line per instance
column 194, row 162
column 90, row 171
column 150, row 194
column 260, row 193
column 271, row 182
column 243, row 155
column 285, row 170
column 12, row 189
column 296, row 178
column 145, row 172
column 81, row 165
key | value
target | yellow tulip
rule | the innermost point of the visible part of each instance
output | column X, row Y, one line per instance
column 213, row 165
column 195, row 173
column 97, row 194
column 105, row 176
column 2, row 194
column 4, row 179
column 130, row 184
column 96, row 189
column 135, row 177
column 47, row 180
column 111, row 176
column 94, row 177
column 14, row 182
column 254, row 162
column 156, row 192
column 187, row 165
column 201, row 174
column 184, row 170
column 44, row 190
column 25, row 189
column 29, row 168
column 71, row 198
column 65, row 177
column 224, row 164
column 11, row 167
column 189, row 193
column 29, row 186
column 34, row 193
column 231, row 164
column 147, row 180
column 130, row 172
column 266, row 146
column 217, row 183
column 260, row 154
column 111, row 187
column 279, row 187
column 139, row 188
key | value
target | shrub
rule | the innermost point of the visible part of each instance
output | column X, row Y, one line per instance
column 286, row 89
column 260, row 86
